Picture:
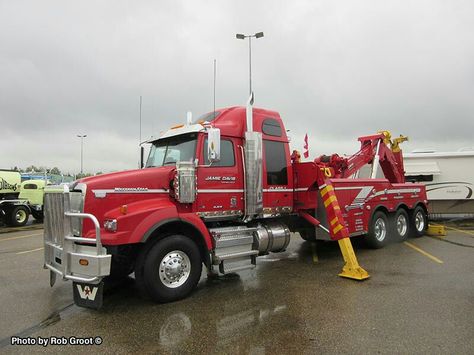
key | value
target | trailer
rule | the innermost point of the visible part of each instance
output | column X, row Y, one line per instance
column 219, row 192
column 448, row 177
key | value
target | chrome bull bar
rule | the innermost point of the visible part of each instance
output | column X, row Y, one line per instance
column 77, row 262
column 94, row 220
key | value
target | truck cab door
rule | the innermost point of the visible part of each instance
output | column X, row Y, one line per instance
column 277, row 178
column 220, row 184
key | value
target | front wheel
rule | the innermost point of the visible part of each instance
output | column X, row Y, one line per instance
column 172, row 269
column 378, row 231
column 418, row 222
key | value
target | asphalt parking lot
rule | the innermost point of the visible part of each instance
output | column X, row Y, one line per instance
column 419, row 299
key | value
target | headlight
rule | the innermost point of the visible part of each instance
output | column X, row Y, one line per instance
column 110, row 225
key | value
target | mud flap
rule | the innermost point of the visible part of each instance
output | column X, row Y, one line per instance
column 88, row 295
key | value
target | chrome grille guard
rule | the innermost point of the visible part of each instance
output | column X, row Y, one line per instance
column 62, row 256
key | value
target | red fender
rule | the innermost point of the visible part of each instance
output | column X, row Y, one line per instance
column 165, row 211
column 145, row 216
column 197, row 222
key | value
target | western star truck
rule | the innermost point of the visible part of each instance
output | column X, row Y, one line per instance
column 220, row 192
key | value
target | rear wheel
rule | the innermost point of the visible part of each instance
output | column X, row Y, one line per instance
column 418, row 222
column 378, row 231
column 172, row 269
column 401, row 224
column 18, row 216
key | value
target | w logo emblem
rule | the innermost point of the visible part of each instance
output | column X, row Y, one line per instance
column 87, row 293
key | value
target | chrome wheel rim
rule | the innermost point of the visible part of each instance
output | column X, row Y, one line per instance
column 380, row 229
column 175, row 269
column 419, row 221
column 20, row 216
column 402, row 225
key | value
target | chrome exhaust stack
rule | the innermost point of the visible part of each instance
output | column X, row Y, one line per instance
column 253, row 166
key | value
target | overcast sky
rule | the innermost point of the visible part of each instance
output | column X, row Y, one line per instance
column 333, row 69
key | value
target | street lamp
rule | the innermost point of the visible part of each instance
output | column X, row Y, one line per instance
column 242, row 36
column 82, row 148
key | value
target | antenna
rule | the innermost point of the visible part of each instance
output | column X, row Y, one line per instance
column 214, row 112
column 140, row 120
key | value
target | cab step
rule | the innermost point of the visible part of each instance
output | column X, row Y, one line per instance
column 242, row 254
column 229, row 270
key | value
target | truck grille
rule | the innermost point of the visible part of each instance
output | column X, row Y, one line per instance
column 77, row 205
column 54, row 221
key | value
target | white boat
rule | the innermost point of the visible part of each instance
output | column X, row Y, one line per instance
column 449, row 180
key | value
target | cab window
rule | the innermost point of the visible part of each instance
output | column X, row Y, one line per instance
column 227, row 154
column 275, row 160
column 30, row 187
column 271, row 127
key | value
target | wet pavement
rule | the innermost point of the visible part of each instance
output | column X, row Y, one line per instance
column 420, row 298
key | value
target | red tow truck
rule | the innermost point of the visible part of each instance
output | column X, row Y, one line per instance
column 221, row 191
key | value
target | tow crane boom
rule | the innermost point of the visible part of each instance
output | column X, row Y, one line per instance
column 373, row 149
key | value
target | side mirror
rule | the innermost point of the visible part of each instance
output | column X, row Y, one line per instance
column 213, row 145
column 142, row 153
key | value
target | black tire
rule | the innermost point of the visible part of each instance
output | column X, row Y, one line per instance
column 171, row 269
column 418, row 222
column 401, row 225
column 38, row 215
column 18, row 216
column 139, row 273
column 378, row 231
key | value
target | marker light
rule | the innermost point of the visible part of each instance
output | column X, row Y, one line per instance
column 123, row 209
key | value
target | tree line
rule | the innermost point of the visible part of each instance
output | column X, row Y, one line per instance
column 51, row 171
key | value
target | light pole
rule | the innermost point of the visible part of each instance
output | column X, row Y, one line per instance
column 82, row 148
column 242, row 36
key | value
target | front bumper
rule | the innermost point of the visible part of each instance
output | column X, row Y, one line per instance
column 71, row 257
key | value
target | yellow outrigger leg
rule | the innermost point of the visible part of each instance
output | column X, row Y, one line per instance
column 351, row 269
column 337, row 229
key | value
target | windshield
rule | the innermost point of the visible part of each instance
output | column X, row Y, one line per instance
column 171, row 150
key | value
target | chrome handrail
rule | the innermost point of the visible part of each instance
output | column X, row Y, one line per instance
column 97, row 230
